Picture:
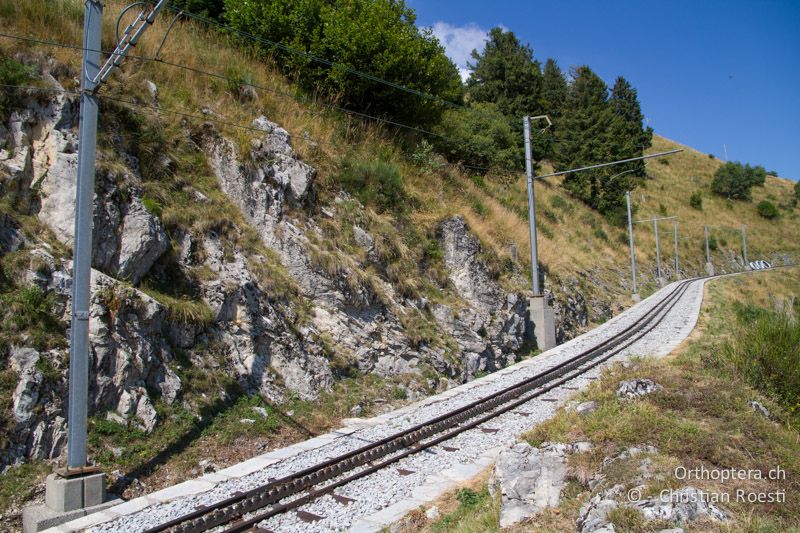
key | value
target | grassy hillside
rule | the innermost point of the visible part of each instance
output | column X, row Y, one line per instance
column 572, row 238
column 576, row 244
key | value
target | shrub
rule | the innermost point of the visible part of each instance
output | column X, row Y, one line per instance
column 696, row 201
column 375, row 183
column 468, row 497
column 481, row 136
column 797, row 190
column 712, row 243
column 424, row 156
column 767, row 209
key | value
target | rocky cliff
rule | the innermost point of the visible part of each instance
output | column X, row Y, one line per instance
column 284, row 313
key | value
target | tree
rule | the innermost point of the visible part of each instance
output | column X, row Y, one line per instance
column 583, row 135
column 629, row 137
column 506, row 74
column 597, row 128
column 797, row 190
column 552, row 99
column 377, row 37
column 756, row 175
column 735, row 181
column 479, row 136
column 554, row 90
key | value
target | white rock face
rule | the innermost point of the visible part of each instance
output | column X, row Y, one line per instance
column 257, row 338
column 636, row 388
column 529, row 480
column 684, row 505
column 141, row 243
column 26, row 394
column 593, row 516
column 43, row 154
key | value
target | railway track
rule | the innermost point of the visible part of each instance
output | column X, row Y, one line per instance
column 244, row 511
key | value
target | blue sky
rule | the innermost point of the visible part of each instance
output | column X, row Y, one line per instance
column 710, row 74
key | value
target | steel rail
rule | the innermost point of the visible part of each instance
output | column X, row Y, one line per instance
column 311, row 496
column 410, row 439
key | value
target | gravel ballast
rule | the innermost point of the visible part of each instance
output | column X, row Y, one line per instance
column 384, row 496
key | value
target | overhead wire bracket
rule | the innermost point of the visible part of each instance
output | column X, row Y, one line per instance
column 129, row 38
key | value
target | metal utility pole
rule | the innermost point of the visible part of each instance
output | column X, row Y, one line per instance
column 655, row 220
column 82, row 246
column 630, row 239
column 526, row 122
column 677, row 270
column 658, row 249
column 744, row 247
column 93, row 73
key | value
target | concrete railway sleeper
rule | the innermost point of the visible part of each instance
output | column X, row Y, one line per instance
column 410, row 441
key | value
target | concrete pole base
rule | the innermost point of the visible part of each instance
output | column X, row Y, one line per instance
column 543, row 321
column 662, row 282
column 66, row 499
column 709, row 269
column 636, row 298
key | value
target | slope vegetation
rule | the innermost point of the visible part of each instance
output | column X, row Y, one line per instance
column 287, row 257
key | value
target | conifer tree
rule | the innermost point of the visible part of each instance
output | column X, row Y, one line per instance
column 583, row 134
column 630, row 137
column 553, row 99
column 506, row 74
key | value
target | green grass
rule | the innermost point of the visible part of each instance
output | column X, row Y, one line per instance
column 477, row 512
column 18, row 483
column 765, row 351
column 182, row 309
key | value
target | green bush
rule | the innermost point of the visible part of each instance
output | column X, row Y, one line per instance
column 481, row 136
column 712, row 243
column 375, row 183
column 767, row 209
column 696, row 201
column 797, row 190
column 469, row 498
